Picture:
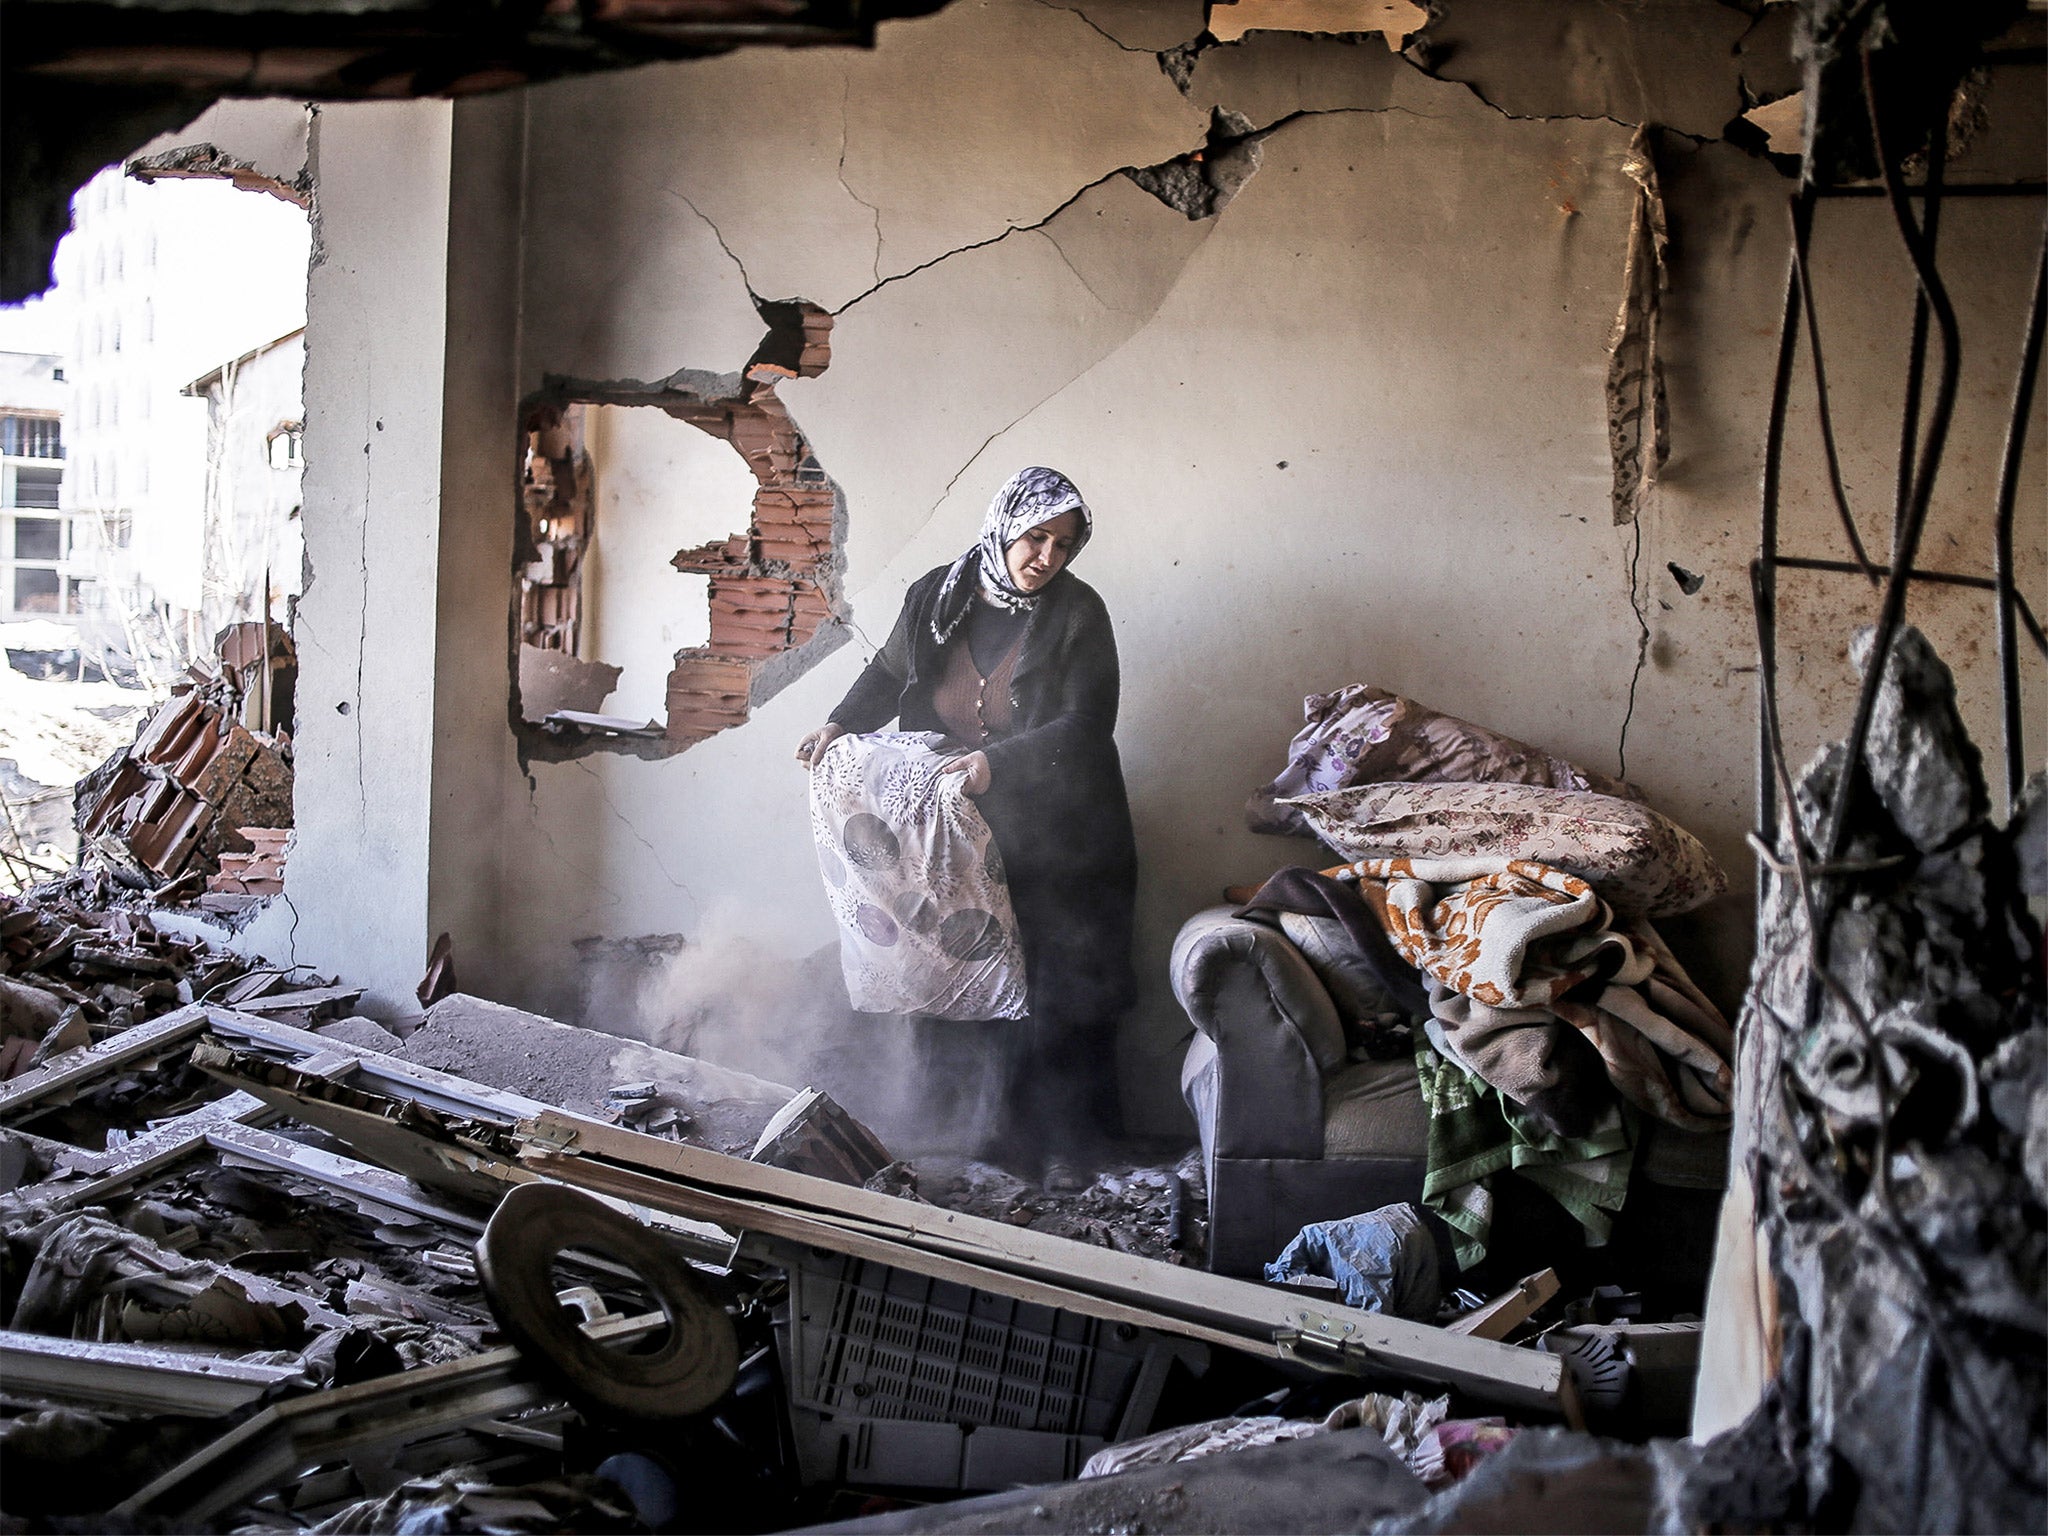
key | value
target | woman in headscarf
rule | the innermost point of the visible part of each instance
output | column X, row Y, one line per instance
column 1009, row 653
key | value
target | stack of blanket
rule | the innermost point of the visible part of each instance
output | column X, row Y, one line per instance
column 1552, row 1025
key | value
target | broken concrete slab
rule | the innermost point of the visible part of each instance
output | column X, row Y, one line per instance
column 1560, row 1480
column 367, row 1033
column 559, row 1064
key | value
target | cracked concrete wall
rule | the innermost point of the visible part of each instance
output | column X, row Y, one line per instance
column 1350, row 429
column 371, row 621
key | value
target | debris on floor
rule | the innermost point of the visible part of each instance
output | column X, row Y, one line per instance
column 1148, row 1211
column 75, row 973
column 251, row 1282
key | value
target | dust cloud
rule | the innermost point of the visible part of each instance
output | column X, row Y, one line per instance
column 727, row 995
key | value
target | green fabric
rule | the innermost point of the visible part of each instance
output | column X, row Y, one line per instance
column 1475, row 1133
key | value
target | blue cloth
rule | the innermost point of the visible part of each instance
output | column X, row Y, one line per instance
column 1383, row 1261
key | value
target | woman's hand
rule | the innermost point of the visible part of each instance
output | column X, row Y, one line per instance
column 975, row 766
column 813, row 746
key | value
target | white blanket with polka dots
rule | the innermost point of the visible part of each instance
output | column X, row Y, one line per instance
column 914, row 877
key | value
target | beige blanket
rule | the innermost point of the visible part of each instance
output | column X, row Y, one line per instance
column 1519, row 943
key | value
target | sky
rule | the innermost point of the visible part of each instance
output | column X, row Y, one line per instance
column 40, row 325
column 256, row 244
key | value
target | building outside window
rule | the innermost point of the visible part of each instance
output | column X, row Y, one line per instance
column 37, row 579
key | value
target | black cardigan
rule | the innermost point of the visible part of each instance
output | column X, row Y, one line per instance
column 1056, row 800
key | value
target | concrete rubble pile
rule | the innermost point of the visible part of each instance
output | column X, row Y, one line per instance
column 266, row 1264
column 74, row 968
column 197, row 803
column 1155, row 1213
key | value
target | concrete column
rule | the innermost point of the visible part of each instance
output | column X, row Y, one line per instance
column 356, row 895
column 473, row 757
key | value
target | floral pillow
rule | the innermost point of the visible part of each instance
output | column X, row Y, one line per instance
column 1366, row 735
column 1640, row 862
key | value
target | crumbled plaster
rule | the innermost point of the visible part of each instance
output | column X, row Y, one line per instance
column 263, row 143
column 1690, row 65
column 1201, row 184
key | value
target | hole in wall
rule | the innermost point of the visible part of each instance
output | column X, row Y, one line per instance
column 642, row 622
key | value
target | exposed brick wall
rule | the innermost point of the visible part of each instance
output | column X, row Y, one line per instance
column 773, row 587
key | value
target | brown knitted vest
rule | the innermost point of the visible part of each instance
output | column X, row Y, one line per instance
column 975, row 710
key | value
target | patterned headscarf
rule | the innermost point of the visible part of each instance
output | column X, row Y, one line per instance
column 1030, row 497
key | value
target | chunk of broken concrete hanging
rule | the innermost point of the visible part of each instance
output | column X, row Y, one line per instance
column 1638, row 414
column 1200, row 185
column 1881, row 1273
column 1930, row 776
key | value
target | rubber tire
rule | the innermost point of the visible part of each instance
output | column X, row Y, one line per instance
column 693, row 1367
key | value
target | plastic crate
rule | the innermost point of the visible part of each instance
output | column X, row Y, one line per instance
column 845, row 1451
column 896, row 1379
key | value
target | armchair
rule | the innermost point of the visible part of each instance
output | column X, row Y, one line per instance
column 1295, row 1132
column 1292, row 1131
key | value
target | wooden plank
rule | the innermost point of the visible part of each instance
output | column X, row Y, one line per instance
column 743, row 1196
column 1498, row 1372
column 1507, row 1311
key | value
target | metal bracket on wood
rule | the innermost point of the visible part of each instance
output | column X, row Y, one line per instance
column 1322, row 1341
